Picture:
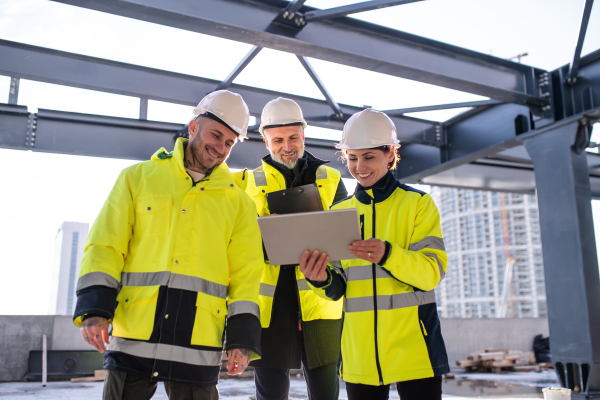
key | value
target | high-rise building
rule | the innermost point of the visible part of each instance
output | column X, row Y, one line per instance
column 482, row 231
column 68, row 251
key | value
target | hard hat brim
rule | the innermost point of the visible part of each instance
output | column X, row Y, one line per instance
column 200, row 111
column 262, row 128
column 343, row 146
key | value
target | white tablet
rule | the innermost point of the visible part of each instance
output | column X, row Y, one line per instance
column 287, row 236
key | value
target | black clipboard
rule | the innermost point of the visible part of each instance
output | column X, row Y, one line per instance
column 298, row 199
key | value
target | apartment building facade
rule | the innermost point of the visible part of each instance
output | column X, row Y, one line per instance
column 482, row 230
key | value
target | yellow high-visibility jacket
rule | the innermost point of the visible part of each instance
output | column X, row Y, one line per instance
column 391, row 327
column 178, row 259
column 266, row 179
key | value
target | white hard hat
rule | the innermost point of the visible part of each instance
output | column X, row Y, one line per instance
column 368, row 129
column 228, row 107
column 281, row 112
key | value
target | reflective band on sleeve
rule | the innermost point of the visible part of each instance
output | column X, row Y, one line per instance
column 302, row 284
column 442, row 272
column 260, row 179
column 389, row 302
column 176, row 281
column 430, row 242
column 165, row 352
column 364, row 272
column 97, row 278
column 243, row 307
column 322, row 172
column 267, row 290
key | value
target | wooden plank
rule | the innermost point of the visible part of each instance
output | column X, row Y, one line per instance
column 100, row 373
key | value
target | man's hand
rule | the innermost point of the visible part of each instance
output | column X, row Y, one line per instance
column 95, row 332
column 371, row 250
column 315, row 267
column 238, row 361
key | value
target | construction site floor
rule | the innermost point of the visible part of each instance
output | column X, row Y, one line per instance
column 525, row 385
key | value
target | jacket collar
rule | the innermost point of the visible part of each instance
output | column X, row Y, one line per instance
column 218, row 178
column 379, row 192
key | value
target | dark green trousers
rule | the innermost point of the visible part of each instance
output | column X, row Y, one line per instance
column 120, row 385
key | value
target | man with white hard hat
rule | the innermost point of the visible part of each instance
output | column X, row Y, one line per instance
column 174, row 254
column 299, row 329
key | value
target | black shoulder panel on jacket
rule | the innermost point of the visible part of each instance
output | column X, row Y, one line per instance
column 97, row 300
column 410, row 189
column 344, row 199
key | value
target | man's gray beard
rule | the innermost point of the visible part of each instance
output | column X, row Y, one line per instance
column 289, row 164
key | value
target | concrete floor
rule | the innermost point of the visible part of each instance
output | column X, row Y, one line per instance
column 464, row 386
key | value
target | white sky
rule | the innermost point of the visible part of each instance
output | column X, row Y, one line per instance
column 40, row 191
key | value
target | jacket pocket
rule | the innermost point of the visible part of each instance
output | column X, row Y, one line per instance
column 134, row 317
column 209, row 322
column 153, row 215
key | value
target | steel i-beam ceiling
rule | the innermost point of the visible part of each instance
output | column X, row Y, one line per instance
column 53, row 66
column 345, row 41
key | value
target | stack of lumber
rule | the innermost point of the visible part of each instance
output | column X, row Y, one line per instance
column 496, row 360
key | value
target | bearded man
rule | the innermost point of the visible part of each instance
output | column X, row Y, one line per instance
column 174, row 254
column 298, row 327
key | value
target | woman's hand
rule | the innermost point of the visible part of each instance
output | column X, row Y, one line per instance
column 371, row 250
column 315, row 267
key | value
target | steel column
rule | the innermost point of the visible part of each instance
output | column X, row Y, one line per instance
column 569, row 250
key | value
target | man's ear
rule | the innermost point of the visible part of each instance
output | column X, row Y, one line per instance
column 264, row 135
column 193, row 128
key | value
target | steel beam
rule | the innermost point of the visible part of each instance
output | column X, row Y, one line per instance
column 342, row 11
column 328, row 98
column 344, row 40
column 239, row 68
column 99, row 136
column 14, row 127
column 481, row 103
column 585, row 19
column 570, row 259
column 13, row 93
column 53, row 66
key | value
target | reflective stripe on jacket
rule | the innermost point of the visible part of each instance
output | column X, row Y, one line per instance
column 184, row 257
column 266, row 179
column 391, row 327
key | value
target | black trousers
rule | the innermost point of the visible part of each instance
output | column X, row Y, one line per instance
column 418, row 389
column 322, row 383
column 119, row 385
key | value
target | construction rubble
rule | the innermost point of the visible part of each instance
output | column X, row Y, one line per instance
column 497, row 360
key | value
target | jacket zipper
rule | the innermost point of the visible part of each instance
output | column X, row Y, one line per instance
column 375, row 304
